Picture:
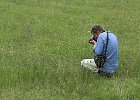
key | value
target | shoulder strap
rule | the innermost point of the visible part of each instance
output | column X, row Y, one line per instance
column 106, row 45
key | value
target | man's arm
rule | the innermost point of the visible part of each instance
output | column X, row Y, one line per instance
column 98, row 47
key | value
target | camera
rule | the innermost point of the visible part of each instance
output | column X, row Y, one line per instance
column 92, row 38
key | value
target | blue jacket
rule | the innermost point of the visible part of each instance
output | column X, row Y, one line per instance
column 111, row 62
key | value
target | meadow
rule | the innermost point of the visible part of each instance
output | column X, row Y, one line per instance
column 42, row 43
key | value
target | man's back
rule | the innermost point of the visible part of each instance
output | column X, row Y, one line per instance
column 111, row 63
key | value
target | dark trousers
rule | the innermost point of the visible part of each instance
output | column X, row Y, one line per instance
column 104, row 74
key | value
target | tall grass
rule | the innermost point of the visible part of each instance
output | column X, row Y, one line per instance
column 43, row 41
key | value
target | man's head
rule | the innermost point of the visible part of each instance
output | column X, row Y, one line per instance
column 96, row 30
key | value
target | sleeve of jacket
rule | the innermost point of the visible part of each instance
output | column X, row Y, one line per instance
column 98, row 47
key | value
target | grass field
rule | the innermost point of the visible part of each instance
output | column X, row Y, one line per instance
column 42, row 43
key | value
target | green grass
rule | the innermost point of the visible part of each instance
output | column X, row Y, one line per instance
column 42, row 43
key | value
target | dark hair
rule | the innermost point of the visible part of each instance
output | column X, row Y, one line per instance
column 97, row 28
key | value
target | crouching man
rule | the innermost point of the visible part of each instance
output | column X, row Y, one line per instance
column 105, row 45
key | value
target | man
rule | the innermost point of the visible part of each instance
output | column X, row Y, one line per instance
column 99, row 48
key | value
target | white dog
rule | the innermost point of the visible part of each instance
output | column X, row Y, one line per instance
column 89, row 64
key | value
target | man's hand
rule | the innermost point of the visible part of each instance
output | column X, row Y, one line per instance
column 92, row 42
